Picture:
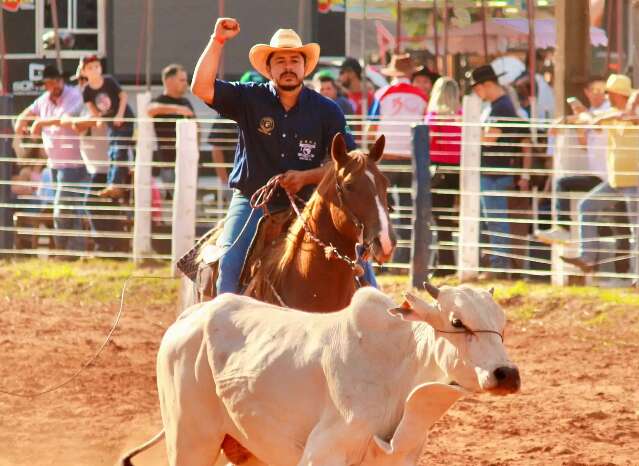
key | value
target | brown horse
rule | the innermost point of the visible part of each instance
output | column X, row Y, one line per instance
column 314, row 268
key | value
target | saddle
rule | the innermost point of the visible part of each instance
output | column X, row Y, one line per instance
column 200, row 263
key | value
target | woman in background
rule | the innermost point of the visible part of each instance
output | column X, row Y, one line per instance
column 443, row 117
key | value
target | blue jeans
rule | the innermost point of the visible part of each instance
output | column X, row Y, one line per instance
column 495, row 207
column 120, row 150
column 593, row 209
column 231, row 263
column 71, row 186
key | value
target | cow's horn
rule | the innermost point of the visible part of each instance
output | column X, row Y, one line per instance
column 432, row 289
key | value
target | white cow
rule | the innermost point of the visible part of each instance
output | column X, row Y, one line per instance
column 357, row 387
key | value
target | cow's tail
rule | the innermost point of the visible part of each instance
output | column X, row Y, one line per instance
column 126, row 460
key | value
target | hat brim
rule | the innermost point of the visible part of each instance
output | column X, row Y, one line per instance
column 496, row 77
column 395, row 73
column 259, row 54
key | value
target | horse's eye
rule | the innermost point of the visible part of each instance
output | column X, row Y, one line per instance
column 349, row 187
column 457, row 323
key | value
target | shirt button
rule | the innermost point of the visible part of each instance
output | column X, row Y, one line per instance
column 284, row 135
column 282, row 155
column 286, row 115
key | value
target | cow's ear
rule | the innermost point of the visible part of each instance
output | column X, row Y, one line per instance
column 425, row 405
column 416, row 309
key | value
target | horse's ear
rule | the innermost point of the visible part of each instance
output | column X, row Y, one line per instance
column 377, row 150
column 338, row 151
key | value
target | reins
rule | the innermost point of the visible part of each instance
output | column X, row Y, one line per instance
column 262, row 197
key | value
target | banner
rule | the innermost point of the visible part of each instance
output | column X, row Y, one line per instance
column 15, row 5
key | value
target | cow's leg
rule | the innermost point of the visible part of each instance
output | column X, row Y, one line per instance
column 324, row 448
column 193, row 416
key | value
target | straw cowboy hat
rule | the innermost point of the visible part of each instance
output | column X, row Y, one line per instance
column 284, row 40
column 401, row 65
column 619, row 84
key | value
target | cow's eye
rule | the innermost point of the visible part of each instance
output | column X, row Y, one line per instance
column 457, row 323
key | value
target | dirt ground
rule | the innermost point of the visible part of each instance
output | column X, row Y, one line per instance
column 578, row 356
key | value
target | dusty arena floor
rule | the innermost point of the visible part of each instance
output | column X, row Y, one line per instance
column 577, row 349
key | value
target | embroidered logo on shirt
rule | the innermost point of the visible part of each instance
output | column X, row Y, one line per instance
column 306, row 150
column 267, row 125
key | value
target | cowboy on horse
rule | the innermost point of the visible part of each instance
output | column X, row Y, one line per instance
column 285, row 129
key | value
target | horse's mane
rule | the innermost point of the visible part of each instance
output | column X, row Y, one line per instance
column 283, row 252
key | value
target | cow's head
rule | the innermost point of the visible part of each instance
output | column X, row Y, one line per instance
column 468, row 346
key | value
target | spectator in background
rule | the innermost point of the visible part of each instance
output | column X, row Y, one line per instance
column 325, row 84
column 606, row 201
column 594, row 166
column 443, row 116
column 424, row 80
column 501, row 150
column 94, row 148
column 106, row 99
column 396, row 107
column 63, row 152
column 350, row 77
column 169, row 106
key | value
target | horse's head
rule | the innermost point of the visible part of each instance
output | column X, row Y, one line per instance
column 361, row 192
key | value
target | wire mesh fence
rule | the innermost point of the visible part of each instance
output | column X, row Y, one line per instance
column 508, row 198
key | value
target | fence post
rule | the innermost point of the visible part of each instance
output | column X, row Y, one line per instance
column 6, row 131
column 422, row 206
column 185, row 194
column 142, row 181
column 469, row 188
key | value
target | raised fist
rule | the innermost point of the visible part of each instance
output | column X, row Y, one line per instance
column 226, row 28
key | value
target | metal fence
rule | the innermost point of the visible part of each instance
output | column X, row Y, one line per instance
column 450, row 217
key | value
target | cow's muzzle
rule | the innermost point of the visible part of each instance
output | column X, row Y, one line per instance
column 508, row 380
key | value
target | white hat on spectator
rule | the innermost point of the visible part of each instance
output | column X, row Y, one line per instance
column 619, row 84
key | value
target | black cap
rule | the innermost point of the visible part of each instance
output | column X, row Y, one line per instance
column 49, row 72
column 351, row 63
column 428, row 73
column 482, row 74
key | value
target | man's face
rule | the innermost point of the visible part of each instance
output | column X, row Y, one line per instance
column 328, row 89
column 423, row 83
column 617, row 100
column 287, row 70
column 54, row 87
column 596, row 93
column 177, row 84
column 92, row 70
column 346, row 78
column 480, row 90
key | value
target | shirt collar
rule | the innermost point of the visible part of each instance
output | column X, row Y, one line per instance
column 64, row 89
column 302, row 98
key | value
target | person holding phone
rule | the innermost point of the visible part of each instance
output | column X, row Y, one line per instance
column 595, row 171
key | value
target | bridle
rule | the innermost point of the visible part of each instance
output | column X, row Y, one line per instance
column 263, row 196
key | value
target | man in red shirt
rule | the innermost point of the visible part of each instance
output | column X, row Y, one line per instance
column 350, row 76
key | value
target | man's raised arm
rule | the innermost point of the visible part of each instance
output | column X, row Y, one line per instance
column 203, row 83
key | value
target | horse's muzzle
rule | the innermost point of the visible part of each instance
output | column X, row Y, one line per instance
column 382, row 250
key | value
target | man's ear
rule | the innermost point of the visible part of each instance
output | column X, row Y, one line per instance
column 417, row 310
column 339, row 152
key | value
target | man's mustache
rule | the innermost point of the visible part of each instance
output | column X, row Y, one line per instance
column 288, row 73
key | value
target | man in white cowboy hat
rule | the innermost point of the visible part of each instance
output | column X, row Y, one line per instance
column 285, row 128
column 606, row 203
column 397, row 107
